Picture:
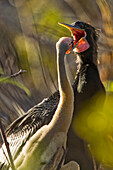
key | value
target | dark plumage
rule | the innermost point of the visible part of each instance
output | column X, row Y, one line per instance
column 86, row 85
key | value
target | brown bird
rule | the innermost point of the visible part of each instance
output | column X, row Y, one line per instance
column 45, row 149
column 86, row 85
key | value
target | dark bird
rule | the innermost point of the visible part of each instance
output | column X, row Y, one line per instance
column 87, row 88
column 86, row 85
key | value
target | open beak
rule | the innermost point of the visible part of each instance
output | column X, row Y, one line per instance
column 80, row 43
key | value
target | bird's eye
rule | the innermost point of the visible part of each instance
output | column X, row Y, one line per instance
column 81, row 25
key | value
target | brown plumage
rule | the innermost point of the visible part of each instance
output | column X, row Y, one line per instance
column 44, row 150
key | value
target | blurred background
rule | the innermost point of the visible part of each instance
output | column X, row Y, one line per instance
column 29, row 31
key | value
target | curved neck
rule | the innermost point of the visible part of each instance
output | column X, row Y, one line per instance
column 63, row 115
column 63, row 81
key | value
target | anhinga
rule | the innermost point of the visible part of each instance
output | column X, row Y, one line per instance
column 86, row 85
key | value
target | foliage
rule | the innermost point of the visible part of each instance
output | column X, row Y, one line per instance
column 16, row 83
column 95, row 125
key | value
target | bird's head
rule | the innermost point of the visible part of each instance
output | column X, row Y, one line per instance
column 84, row 39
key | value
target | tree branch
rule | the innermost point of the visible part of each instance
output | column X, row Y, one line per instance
column 7, row 146
column 16, row 74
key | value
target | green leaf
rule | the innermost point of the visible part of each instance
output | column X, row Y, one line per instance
column 16, row 83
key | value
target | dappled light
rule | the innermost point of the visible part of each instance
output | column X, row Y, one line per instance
column 95, row 125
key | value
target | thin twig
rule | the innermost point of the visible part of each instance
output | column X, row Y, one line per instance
column 62, row 159
column 7, row 146
column 13, row 75
column 5, row 154
column 17, row 74
column 93, row 159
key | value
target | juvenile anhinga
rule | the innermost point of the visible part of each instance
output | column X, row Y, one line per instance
column 86, row 85
column 45, row 149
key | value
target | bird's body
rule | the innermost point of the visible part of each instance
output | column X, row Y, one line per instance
column 86, row 85
column 44, row 149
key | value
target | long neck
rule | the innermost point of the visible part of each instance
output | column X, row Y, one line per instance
column 63, row 115
column 63, row 82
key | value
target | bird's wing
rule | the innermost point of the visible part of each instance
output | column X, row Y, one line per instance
column 24, row 127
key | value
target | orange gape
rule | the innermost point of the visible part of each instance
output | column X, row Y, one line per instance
column 68, row 51
column 80, row 46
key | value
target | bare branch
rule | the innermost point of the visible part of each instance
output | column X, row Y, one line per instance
column 93, row 159
column 13, row 75
column 4, row 154
column 7, row 146
column 17, row 74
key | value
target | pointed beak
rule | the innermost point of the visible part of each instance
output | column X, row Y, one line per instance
column 73, row 29
column 80, row 43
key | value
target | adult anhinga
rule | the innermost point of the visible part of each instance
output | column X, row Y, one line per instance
column 86, row 85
